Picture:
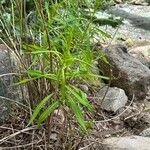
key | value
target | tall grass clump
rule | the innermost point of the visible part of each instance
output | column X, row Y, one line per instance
column 52, row 43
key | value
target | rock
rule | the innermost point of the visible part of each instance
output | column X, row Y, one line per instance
column 145, row 133
column 115, row 98
column 53, row 137
column 84, row 88
column 142, row 53
column 127, row 72
column 118, row 1
column 139, row 2
column 4, row 67
column 6, row 89
column 126, row 143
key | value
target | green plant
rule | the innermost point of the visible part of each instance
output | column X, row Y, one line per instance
column 53, row 46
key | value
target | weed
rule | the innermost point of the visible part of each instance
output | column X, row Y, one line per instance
column 52, row 43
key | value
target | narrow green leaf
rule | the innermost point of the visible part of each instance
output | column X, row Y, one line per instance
column 82, row 100
column 77, row 111
column 84, row 97
column 99, row 76
column 39, row 52
column 39, row 74
column 48, row 111
column 26, row 80
column 39, row 107
column 59, row 55
column 34, row 73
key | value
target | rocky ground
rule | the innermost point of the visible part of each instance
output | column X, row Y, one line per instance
column 122, row 118
column 130, row 57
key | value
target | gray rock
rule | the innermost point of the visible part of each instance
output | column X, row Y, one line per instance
column 127, row 72
column 126, row 143
column 4, row 67
column 115, row 98
column 145, row 133
column 7, row 66
column 142, row 53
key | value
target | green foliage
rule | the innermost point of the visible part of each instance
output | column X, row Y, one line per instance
column 52, row 42
column 39, row 107
column 48, row 111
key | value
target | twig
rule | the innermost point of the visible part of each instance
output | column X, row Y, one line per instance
column 84, row 148
column 112, row 38
column 9, row 74
column 6, row 128
column 131, row 116
column 77, row 147
column 16, row 133
column 20, row 146
column 14, row 137
column 107, row 87
column 8, row 99
column 107, row 120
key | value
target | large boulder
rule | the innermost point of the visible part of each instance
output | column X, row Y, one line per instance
column 127, row 72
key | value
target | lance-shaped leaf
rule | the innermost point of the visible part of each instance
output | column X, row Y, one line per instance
column 48, row 111
column 82, row 100
column 35, row 73
column 40, row 74
column 77, row 112
column 39, row 107
column 23, row 81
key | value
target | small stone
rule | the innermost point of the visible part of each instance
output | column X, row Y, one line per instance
column 114, row 99
column 53, row 136
column 84, row 88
